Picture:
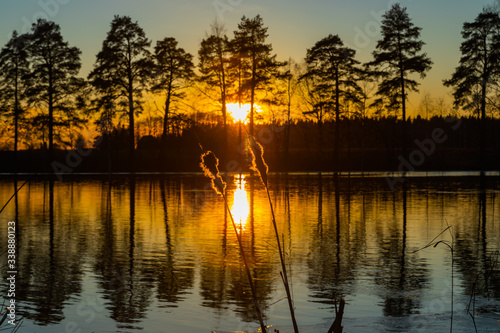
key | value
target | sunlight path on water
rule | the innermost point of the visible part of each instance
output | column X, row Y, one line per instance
column 241, row 207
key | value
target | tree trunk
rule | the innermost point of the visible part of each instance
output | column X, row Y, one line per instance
column 224, row 112
column 320, row 136
column 252, row 94
column 403, row 105
column 363, row 139
column 287, row 132
column 131, row 125
column 16, row 131
column 482, row 126
column 337, row 122
column 167, row 114
column 223, row 96
column 16, row 114
column 51, row 118
column 349, row 162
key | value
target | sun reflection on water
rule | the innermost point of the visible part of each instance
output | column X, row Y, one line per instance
column 241, row 207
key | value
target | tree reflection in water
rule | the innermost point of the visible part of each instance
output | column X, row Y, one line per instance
column 401, row 275
column 141, row 247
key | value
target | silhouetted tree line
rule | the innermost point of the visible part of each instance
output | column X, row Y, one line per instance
column 45, row 100
column 371, row 144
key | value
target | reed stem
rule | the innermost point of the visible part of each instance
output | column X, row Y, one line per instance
column 284, row 276
column 247, row 270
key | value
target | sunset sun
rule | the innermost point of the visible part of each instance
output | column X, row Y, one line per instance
column 240, row 113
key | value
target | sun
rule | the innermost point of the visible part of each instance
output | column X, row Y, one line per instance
column 238, row 113
column 241, row 113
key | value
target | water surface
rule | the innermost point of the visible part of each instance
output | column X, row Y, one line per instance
column 159, row 253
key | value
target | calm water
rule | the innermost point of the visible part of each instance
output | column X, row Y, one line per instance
column 159, row 254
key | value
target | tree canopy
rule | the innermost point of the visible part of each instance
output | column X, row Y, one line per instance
column 214, row 62
column 334, row 68
column 14, row 66
column 173, row 70
column 123, row 67
column 53, row 80
column 259, row 65
column 479, row 66
column 397, row 55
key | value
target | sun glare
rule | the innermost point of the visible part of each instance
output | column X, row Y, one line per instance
column 241, row 208
column 241, row 113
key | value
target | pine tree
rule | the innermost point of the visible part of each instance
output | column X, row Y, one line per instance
column 14, row 67
column 479, row 67
column 214, row 61
column 123, row 67
column 259, row 65
column 53, row 79
column 398, row 55
column 334, row 68
column 174, row 69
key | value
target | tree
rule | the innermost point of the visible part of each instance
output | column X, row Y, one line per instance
column 174, row 67
column 479, row 67
column 291, row 81
column 279, row 95
column 368, row 88
column 249, row 42
column 14, row 66
column 52, row 80
column 335, row 68
column 427, row 105
column 397, row 56
column 122, row 68
column 214, row 55
column 314, row 102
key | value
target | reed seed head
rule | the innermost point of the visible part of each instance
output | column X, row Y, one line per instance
column 258, row 162
column 210, row 165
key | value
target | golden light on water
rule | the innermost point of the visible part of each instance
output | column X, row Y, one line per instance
column 241, row 206
column 241, row 113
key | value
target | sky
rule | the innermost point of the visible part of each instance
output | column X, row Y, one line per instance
column 293, row 25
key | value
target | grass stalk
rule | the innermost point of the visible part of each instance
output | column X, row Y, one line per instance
column 259, row 165
column 284, row 276
column 247, row 270
column 210, row 164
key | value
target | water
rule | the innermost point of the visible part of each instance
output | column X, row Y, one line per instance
column 159, row 253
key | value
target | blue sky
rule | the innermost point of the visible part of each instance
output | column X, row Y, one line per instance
column 294, row 25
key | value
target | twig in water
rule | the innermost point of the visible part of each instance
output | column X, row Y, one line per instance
column 337, row 324
column 432, row 243
column 13, row 195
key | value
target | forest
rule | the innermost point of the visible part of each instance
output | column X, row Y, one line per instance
column 154, row 107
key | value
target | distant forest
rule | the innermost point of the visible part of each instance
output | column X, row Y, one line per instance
column 148, row 107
